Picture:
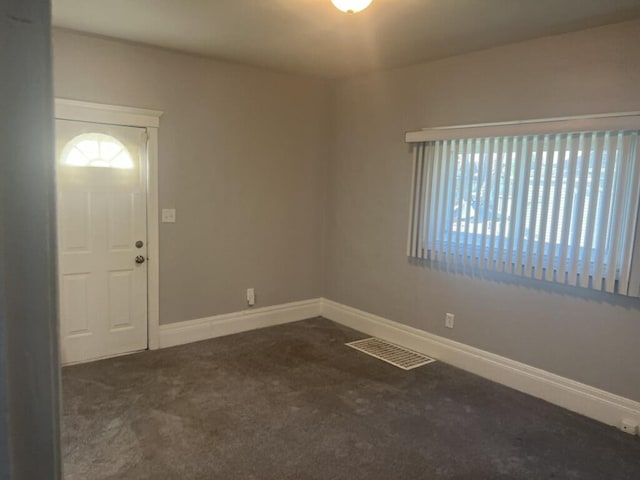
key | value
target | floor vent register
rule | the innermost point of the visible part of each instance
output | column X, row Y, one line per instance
column 391, row 353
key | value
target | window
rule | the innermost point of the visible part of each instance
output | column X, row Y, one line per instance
column 556, row 206
column 96, row 150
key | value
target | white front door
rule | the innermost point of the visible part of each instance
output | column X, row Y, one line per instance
column 102, row 239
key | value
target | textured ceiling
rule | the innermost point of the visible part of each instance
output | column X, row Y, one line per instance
column 312, row 37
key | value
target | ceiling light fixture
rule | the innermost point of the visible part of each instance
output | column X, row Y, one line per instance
column 351, row 6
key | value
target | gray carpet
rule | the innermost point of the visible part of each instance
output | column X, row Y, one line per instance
column 292, row 402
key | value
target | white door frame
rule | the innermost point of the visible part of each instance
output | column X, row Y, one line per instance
column 66, row 109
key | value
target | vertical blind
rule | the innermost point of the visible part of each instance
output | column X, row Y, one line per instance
column 560, row 207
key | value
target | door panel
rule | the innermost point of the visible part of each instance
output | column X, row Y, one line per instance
column 120, row 301
column 76, row 303
column 121, row 221
column 73, row 221
column 101, row 173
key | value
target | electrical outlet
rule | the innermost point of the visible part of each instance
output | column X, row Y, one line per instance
column 251, row 297
column 168, row 215
column 448, row 320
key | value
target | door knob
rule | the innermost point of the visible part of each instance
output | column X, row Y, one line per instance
column 139, row 259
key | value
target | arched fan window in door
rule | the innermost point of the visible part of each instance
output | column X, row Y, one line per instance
column 96, row 150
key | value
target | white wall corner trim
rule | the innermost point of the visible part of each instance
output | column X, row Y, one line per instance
column 179, row 333
column 575, row 396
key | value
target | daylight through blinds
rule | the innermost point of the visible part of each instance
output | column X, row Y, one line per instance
column 559, row 207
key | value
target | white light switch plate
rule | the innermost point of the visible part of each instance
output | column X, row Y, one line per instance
column 168, row 215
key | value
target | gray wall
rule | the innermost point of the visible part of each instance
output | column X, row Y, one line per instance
column 242, row 158
column 587, row 337
column 247, row 157
column 29, row 393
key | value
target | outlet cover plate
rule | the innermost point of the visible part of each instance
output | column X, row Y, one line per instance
column 449, row 319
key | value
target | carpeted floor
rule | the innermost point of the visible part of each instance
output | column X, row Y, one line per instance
column 292, row 402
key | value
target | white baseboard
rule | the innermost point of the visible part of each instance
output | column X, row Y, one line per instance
column 189, row 331
column 577, row 397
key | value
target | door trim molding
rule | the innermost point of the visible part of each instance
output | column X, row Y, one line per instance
column 67, row 109
column 153, row 241
column 81, row 111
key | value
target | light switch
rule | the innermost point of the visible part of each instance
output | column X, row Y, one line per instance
column 168, row 215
